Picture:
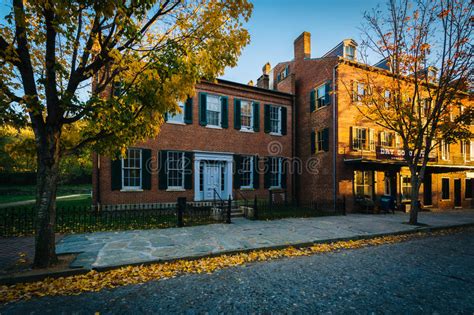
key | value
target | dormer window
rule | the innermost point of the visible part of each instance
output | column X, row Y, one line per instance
column 432, row 74
column 283, row 74
column 349, row 52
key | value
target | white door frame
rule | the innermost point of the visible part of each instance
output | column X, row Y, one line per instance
column 227, row 158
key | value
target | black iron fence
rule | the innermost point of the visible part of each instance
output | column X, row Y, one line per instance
column 20, row 221
column 268, row 210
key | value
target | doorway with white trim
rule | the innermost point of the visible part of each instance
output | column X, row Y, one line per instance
column 214, row 176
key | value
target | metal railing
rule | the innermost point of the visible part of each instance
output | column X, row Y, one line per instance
column 246, row 201
column 215, row 201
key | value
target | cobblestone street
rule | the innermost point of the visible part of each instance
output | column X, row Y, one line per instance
column 430, row 275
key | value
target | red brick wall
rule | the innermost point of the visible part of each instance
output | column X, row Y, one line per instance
column 195, row 137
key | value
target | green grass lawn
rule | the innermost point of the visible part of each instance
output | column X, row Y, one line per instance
column 27, row 192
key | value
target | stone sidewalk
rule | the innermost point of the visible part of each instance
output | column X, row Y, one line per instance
column 111, row 249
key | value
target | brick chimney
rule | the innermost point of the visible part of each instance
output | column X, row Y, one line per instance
column 264, row 80
column 302, row 46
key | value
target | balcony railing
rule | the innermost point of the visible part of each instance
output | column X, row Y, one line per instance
column 396, row 154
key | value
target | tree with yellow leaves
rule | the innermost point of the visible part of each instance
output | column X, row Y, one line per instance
column 424, row 96
column 52, row 52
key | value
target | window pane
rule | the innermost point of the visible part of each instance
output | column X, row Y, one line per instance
column 177, row 117
column 468, row 192
column 175, row 169
column 246, row 172
column 213, row 110
column 275, row 119
column 131, row 171
column 246, row 114
column 445, row 188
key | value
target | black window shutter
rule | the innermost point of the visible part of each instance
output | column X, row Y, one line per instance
column 188, row 170
column 116, row 173
column 326, row 139
column 266, row 113
column 312, row 101
column 256, row 117
column 284, row 113
column 162, row 170
column 146, row 166
column 224, row 112
column 237, row 113
column 313, row 142
column 267, row 168
column 238, row 171
column 203, row 109
column 283, row 173
column 327, row 96
column 188, row 111
column 256, row 173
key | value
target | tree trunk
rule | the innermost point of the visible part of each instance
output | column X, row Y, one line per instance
column 414, row 205
column 46, row 186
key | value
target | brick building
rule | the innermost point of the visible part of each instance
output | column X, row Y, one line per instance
column 350, row 153
column 298, row 131
column 231, row 139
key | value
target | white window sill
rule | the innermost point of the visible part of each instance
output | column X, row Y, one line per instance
column 131, row 190
column 176, row 189
column 320, row 108
column 276, row 134
column 213, row 127
column 247, row 130
column 275, row 188
column 247, row 188
column 176, row 122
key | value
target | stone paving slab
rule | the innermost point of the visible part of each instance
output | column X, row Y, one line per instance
column 110, row 249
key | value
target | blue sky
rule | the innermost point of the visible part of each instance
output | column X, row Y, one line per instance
column 275, row 24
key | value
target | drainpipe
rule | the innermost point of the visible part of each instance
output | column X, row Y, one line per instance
column 98, row 182
column 335, row 133
column 293, row 150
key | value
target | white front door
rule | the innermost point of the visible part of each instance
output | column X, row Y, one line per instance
column 212, row 170
column 212, row 180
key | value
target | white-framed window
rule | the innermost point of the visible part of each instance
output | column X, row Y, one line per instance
column 387, row 98
column 246, row 180
column 471, row 150
column 463, row 146
column 213, row 111
column 444, row 150
column 387, row 139
column 132, row 169
column 398, row 143
column 363, row 183
column 359, row 138
column 349, row 52
column 359, row 91
column 321, row 96
column 246, row 115
column 177, row 117
column 406, row 187
column 275, row 119
column 275, row 172
column 425, row 107
column 175, row 169
column 363, row 139
column 319, row 141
